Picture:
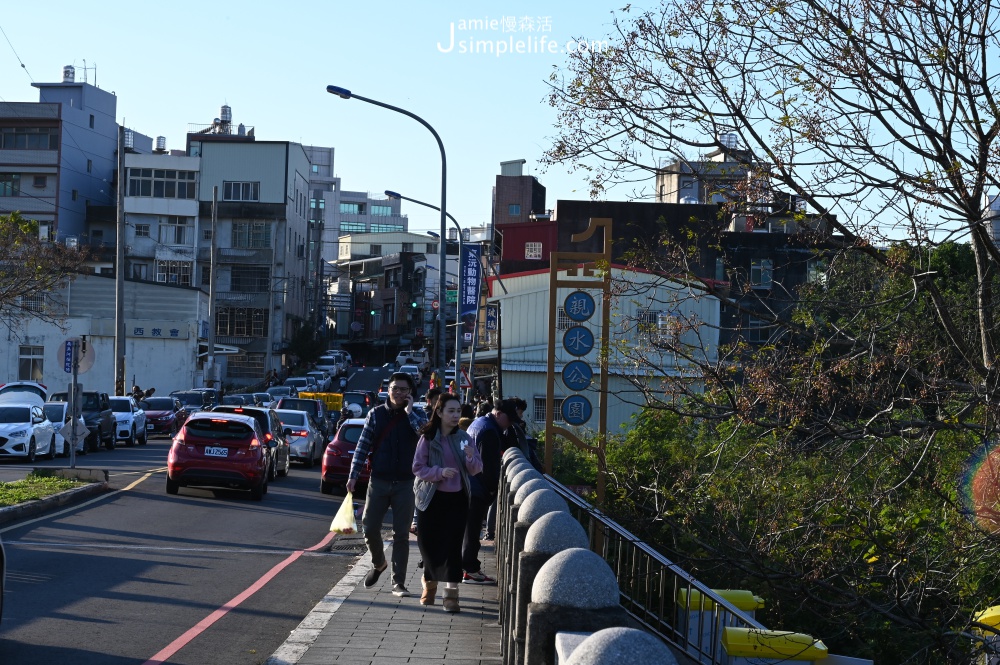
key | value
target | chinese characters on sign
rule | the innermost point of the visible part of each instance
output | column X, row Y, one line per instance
column 578, row 341
column 492, row 317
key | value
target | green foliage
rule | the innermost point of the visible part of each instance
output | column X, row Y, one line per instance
column 32, row 488
column 853, row 542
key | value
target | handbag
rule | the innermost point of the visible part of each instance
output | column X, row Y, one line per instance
column 344, row 521
column 423, row 492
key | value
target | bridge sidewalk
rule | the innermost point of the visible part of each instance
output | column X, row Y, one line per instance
column 353, row 625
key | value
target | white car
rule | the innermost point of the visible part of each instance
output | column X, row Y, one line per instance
column 413, row 371
column 24, row 429
column 305, row 440
column 130, row 420
column 322, row 380
column 57, row 414
column 333, row 365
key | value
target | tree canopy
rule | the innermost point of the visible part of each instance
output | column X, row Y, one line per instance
column 848, row 430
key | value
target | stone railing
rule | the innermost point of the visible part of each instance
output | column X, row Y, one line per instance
column 575, row 588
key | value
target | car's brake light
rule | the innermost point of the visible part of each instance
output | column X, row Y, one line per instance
column 304, row 432
column 255, row 443
column 268, row 437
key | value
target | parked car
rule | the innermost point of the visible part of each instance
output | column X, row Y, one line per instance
column 24, row 429
column 219, row 450
column 164, row 415
column 366, row 399
column 333, row 363
column 58, row 414
column 33, row 387
column 130, row 420
column 304, row 437
column 97, row 414
column 338, row 455
column 267, row 420
column 315, row 408
column 413, row 371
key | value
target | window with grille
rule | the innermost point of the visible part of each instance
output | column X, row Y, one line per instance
column 241, row 321
column 250, row 235
column 247, row 365
column 176, row 230
column 563, row 322
column 538, row 409
column 30, row 363
column 761, row 273
column 533, row 250
column 142, row 230
column 174, row 272
column 376, row 250
column 32, row 303
column 250, row 279
column 161, row 183
column 240, row 191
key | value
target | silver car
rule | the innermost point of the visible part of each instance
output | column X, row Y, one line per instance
column 305, row 440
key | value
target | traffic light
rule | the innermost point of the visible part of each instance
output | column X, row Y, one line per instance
column 372, row 312
column 413, row 304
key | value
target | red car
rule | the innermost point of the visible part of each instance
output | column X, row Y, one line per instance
column 164, row 415
column 338, row 456
column 219, row 450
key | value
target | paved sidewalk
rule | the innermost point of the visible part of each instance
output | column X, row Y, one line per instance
column 353, row 625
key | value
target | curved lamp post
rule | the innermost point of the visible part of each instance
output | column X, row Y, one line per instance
column 458, row 286
column 344, row 93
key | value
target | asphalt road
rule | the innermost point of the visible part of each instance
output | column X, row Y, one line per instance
column 136, row 576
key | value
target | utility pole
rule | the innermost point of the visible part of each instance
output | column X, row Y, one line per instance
column 210, row 364
column 120, row 271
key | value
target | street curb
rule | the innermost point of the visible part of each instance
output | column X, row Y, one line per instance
column 32, row 508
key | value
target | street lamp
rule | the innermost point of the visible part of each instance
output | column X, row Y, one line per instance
column 458, row 287
column 344, row 93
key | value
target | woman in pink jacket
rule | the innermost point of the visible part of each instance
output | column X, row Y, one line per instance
column 444, row 460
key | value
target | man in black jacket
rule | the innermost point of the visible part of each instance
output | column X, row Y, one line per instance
column 487, row 433
column 389, row 440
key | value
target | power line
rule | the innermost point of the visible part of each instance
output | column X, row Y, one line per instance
column 23, row 66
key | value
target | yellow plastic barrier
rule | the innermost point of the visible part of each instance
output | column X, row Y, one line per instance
column 738, row 598
column 334, row 401
column 766, row 646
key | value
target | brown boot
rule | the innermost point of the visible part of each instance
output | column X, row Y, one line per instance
column 450, row 601
column 427, row 597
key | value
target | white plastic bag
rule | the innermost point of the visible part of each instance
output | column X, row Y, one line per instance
column 344, row 522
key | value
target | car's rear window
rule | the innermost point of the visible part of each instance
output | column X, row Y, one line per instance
column 293, row 419
column 121, row 406
column 294, row 404
column 351, row 433
column 54, row 412
column 218, row 429
column 14, row 414
column 259, row 416
column 159, row 404
column 191, row 399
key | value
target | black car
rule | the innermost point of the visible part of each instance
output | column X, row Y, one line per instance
column 193, row 400
column 270, row 426
column 96, row 411
column 366, row 399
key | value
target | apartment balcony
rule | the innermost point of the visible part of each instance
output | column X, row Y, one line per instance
column 245, row 256
column 241, row 299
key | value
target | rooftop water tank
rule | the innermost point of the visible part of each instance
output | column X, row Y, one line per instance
column 226, row 113
column 161, row 143
column 69, row 74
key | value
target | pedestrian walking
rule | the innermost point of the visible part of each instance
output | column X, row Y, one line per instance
column 388, row 441
column 443, row 463
column 487, row 433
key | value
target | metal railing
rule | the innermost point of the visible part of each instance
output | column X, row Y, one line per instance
column 656, row 592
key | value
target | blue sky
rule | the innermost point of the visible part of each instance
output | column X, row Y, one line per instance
column 176, row 63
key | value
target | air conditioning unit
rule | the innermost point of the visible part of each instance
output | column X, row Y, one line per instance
column 161, row 277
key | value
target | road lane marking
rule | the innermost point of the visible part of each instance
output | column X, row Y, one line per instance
column 78, row 506
column 160, row 548
column 168, row 651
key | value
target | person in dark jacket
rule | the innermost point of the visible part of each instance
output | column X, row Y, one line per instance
column 487, row 432
column 389, row 440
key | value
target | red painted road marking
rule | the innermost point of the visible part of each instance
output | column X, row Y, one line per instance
column 205, row 623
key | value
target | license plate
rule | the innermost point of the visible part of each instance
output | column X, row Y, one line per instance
column 149, row 426
column 213, row 451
